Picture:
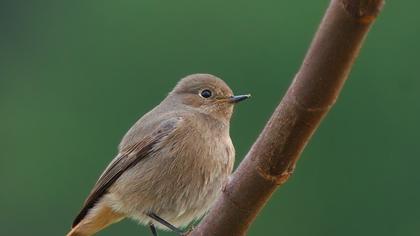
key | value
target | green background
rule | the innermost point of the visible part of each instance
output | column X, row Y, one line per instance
column 75, row 75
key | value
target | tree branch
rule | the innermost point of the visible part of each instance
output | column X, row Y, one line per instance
column 313, row 92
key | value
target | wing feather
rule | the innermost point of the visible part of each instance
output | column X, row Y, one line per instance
column 128, row 158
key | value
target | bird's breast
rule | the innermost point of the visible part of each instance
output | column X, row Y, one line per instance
column 183, row 176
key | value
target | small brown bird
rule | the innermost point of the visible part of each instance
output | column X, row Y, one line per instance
column 171, row 164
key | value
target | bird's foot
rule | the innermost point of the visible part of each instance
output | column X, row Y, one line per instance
column 153, row 229
column 187, row 232
column 165, row 223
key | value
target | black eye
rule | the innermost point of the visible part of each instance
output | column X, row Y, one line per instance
column 205, row 93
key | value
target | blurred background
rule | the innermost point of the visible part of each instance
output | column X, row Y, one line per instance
column 75, row 75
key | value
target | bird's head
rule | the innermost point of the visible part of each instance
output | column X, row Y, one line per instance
column 207, row 94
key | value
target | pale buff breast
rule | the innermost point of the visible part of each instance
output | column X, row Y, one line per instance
column 181, row 180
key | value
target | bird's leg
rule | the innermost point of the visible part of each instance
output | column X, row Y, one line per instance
column 165, row 223
column 153, row 229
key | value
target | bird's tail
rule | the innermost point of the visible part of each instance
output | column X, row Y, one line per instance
column 98, row 218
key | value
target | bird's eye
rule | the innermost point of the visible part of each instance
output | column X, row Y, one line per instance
column 205, row 93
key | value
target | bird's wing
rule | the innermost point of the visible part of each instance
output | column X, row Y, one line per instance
column 128, row 158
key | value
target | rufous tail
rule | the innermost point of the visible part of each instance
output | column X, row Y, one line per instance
column 97, row 219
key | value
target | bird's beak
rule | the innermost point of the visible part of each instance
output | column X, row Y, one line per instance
column 238, row 98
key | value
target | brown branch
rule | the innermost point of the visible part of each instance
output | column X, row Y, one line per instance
column 313, row 92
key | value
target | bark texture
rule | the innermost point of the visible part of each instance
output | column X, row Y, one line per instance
column 311, row 95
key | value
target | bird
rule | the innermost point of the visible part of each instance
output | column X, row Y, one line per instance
column 171, row 164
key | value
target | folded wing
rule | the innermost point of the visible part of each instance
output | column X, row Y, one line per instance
column 128, row 158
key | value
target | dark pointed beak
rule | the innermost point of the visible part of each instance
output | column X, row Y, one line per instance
column 238, row 98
